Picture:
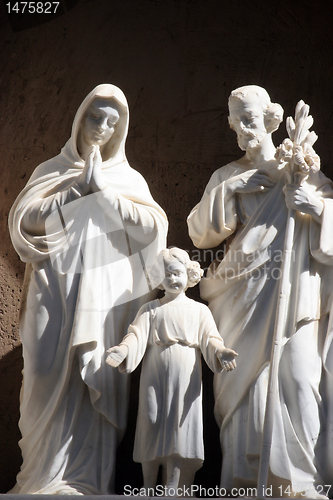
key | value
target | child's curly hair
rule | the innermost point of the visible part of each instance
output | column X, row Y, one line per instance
column 156, row 272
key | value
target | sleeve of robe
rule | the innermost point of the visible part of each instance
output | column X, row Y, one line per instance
column 136, row 340
column 210, row 340
column 321, row 242
column 108, row 199
column 57, row 223
column 321, row 235
column 214, row 218
column 35, row 217
column 321, row 248
column 129, row 211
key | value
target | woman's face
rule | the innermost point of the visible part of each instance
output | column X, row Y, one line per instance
column 99, row 122
column 175, row 280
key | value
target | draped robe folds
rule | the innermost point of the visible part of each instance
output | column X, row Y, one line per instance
column 170, row 339
column 85, row 281
column 242, row 292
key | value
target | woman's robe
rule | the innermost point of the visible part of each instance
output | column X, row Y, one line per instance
column 242, row 291
column 85, row 280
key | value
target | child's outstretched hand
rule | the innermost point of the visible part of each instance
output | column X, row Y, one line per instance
column 227, row 359
column 116, row 355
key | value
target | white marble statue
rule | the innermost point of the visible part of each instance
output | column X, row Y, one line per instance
column 245, row 204
column 86, row 225
column 170, row 334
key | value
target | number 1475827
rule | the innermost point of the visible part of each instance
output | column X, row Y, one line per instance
column 32, row 7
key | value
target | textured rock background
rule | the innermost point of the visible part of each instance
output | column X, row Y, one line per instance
column 176, row 61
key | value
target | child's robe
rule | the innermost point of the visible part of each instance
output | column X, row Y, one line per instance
column 171, row 338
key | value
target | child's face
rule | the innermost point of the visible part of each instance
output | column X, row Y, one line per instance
column 175, row 280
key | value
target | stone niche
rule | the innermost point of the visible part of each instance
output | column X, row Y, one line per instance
column 176, row 62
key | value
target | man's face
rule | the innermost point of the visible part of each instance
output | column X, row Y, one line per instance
column 99, row 122
column 247, row 119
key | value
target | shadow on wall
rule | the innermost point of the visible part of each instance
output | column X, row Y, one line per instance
column 127, row 471
column 10, row 457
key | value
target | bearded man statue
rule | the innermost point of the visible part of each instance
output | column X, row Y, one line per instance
column 245, row 205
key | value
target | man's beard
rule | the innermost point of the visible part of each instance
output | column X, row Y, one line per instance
column 249, row 140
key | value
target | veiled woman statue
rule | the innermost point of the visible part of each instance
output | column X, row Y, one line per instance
column 86, row 225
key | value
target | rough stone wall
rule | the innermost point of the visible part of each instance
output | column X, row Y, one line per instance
column 176, row 61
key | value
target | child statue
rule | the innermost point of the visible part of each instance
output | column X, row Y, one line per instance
column 170, row 333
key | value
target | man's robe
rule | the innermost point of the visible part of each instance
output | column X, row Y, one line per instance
column 243, row 292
